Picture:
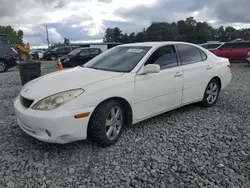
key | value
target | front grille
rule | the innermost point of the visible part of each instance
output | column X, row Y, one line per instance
column 26, row 102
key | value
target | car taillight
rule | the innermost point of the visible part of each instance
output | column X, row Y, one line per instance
column 12, row 54
column 229, row 65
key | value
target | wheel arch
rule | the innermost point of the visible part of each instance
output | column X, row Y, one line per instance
column 126, row 106
column 219, row 81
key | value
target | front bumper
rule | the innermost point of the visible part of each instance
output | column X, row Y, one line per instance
column 54, row 127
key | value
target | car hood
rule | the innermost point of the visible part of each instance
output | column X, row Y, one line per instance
column 63, row 80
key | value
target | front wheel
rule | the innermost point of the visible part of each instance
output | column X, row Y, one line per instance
column 211, row 93
column 106, row 123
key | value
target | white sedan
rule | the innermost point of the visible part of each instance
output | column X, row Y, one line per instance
column 122, row 86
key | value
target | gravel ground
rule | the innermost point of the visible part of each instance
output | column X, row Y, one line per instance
column 188, row 147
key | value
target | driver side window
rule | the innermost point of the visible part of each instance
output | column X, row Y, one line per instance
column 164, row 56
column 84, row 53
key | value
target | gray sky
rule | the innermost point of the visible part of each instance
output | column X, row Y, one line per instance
column 86, row 20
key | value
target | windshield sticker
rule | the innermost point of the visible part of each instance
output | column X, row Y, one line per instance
column 135, row 50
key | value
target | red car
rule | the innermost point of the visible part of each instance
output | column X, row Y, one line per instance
column 236, row 50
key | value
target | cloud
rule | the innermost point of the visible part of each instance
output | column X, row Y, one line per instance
column 171, row 10
column 232, row 11
column 223, row 11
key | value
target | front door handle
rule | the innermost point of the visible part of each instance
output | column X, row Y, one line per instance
column 209, row 67
column 178, row 74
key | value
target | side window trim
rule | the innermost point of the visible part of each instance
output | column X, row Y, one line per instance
column 201, row 51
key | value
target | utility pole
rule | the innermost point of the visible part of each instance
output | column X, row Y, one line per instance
column 47, row 35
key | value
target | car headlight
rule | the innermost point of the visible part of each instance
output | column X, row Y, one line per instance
column 54, row 101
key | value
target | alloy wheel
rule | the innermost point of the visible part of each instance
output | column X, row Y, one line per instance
column 114, row 122
column 2, row 66
column 212, row 92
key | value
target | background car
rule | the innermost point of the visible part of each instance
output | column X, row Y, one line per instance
column 210, row 45
column 40, row 53
column 8, row 55
column 122, row 86
column 58, row 52
column 235, row 50
column 79, row 56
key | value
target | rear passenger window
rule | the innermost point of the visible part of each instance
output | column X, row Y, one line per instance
column 94, row 51
column 228, row 46
column 243, row 45
column 189, row 54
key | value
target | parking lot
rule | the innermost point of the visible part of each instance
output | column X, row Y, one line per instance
column 189, row 147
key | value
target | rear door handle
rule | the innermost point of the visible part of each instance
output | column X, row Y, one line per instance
column 178, row 74
column 209, row 67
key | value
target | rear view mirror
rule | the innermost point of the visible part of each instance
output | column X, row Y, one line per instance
column 150, row 68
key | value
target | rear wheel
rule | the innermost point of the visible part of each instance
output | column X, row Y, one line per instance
column 106, row 123
column 211, row 93
column 53, row 57
column 3, row 66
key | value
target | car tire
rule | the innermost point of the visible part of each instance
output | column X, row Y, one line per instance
column 52, row 57
column 104, row 127
column 3, row 66
column 211, row 93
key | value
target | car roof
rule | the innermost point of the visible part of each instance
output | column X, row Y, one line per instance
column 155, row 44
column 82, row 48
column 240, row 41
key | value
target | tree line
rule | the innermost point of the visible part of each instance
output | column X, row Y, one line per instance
column 188, row 30
column 15, row 37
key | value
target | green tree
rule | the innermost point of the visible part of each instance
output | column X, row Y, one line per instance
column 15, row 37
column 109, row 35
column 188, row 30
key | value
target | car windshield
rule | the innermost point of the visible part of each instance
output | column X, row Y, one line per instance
column 118, row 59
column 74, row 52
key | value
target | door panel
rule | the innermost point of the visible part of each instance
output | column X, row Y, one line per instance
column 239, row 53
column 158, row 92
column 197, row 72
column 83, row 57
column 196, row 77
column 227, row 53
column 241, row 50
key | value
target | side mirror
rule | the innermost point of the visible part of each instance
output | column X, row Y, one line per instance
column 150, row 68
